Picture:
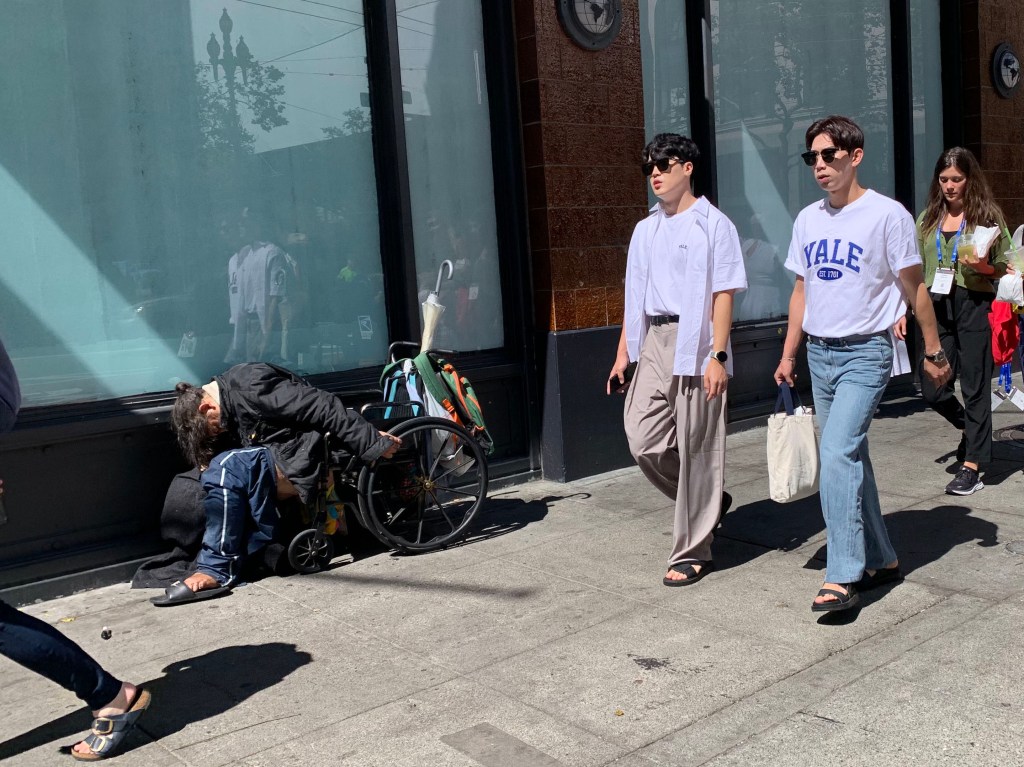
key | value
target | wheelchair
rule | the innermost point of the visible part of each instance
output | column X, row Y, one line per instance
column 422, row 499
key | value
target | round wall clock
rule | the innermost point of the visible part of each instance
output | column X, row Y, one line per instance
column 1005, row 70
column 591, row 24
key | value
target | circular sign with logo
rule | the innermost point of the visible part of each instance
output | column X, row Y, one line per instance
column 591, row 24
column 1005, row 70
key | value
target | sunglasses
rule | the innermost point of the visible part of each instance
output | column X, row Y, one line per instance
column 828, row 155
column 663, row 165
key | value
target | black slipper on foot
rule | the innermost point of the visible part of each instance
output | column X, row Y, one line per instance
column 180, row 594
column 688, row 569
column 882, row 576
column 841, row 602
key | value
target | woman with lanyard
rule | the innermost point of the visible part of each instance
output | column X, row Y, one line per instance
column 959, row 201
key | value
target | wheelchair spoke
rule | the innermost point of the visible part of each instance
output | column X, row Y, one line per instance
column 440, row 507
column 427, row 496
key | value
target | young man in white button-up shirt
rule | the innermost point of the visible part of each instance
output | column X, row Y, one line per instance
column 684, row 264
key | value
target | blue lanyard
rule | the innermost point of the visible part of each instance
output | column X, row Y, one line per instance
column 1005, row 377
column 956, row 241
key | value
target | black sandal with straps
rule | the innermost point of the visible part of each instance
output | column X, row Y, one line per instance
column 841, row 602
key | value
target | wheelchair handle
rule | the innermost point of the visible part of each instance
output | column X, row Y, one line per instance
column 414, row 345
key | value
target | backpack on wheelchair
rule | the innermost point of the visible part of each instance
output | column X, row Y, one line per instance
column 422, row 499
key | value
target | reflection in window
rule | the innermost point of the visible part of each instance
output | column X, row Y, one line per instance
column 778, row 67
column 663, row 50
column 927, row 89
column 185, row 187
column 447, row 126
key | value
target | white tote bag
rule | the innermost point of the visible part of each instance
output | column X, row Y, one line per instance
column 792, row 449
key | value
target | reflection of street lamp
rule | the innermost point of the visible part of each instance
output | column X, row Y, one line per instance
column 240, row 58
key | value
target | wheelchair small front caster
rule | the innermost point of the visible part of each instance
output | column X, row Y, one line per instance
column 310, row 551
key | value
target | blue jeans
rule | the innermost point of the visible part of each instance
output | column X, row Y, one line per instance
column 39, row 647
column 848, row 379
column 241, row 510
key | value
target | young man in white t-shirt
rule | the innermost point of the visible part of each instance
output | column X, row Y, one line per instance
column 684, row 265
column 851, row 253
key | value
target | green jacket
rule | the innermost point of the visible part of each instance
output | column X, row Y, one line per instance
column 966, row 277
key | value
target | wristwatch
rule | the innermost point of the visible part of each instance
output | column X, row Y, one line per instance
column 719, row 356
column 939, row 358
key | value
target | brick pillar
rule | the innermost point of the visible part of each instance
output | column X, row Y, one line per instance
column 583, row 129
column 994, row 126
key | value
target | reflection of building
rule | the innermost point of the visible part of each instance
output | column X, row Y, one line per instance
column 514, row 153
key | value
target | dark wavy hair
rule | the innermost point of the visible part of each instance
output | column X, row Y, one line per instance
column 843, row 131
column 980, row 208
column 189, row 425
column 666, row 145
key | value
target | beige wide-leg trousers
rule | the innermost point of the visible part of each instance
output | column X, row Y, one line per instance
column 678, row 440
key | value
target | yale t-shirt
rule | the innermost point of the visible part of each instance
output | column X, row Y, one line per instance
column 850, row 260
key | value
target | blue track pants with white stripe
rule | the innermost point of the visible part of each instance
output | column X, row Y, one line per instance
column 241, row 513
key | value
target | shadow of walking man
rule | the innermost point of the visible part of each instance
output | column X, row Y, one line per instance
column 191, row 690
column 923, row 536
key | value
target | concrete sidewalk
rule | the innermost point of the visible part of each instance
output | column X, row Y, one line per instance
column 550, row 640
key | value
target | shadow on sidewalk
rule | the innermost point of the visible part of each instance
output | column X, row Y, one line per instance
column 181, row 696
column 923, row 536
column 764, row 526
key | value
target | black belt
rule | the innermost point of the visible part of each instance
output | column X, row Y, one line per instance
column 664, row 319
column 845, row 340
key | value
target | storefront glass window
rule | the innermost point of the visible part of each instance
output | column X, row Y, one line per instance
column 777, row 68
column 663, row 50
column 927, row 87
column 448, row 135
column 183, row 187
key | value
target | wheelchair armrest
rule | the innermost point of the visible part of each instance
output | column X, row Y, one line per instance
column 385, row 415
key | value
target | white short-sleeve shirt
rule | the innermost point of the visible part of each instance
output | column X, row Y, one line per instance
column 850, row 259
column 675, row 265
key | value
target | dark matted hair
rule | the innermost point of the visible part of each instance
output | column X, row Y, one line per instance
column 666, row 145
column 980, row 209
column 189, row 424
column 843, row 131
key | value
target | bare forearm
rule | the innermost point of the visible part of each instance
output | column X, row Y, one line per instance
column 924, row 313
column 721, row 319
column 794, row 329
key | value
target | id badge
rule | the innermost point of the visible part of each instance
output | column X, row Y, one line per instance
column 943, row 282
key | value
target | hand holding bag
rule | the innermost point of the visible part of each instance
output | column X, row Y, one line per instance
column 792, row 449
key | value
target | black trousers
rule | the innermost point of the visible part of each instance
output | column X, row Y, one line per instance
column 966, row 340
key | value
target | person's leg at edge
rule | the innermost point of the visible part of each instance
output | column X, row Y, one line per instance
column 42, row 649
column 701, row 437
column 848, row 383
column 240, row 486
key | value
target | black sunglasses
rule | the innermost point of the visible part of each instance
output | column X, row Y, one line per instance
column 828, row 155
column 663, row 165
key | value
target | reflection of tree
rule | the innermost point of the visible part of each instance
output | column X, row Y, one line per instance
column 781, row 65
column 220, row 118
column 357, row 120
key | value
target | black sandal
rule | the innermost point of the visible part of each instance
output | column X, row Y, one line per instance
column 691, row 573
column 841, row 602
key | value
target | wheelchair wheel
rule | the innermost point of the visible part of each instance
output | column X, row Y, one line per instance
column 310, row 551
column 426, row 496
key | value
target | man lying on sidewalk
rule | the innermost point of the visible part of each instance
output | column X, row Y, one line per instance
column 276, row 423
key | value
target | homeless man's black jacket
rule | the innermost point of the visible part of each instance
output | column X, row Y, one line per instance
column 266, row 405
